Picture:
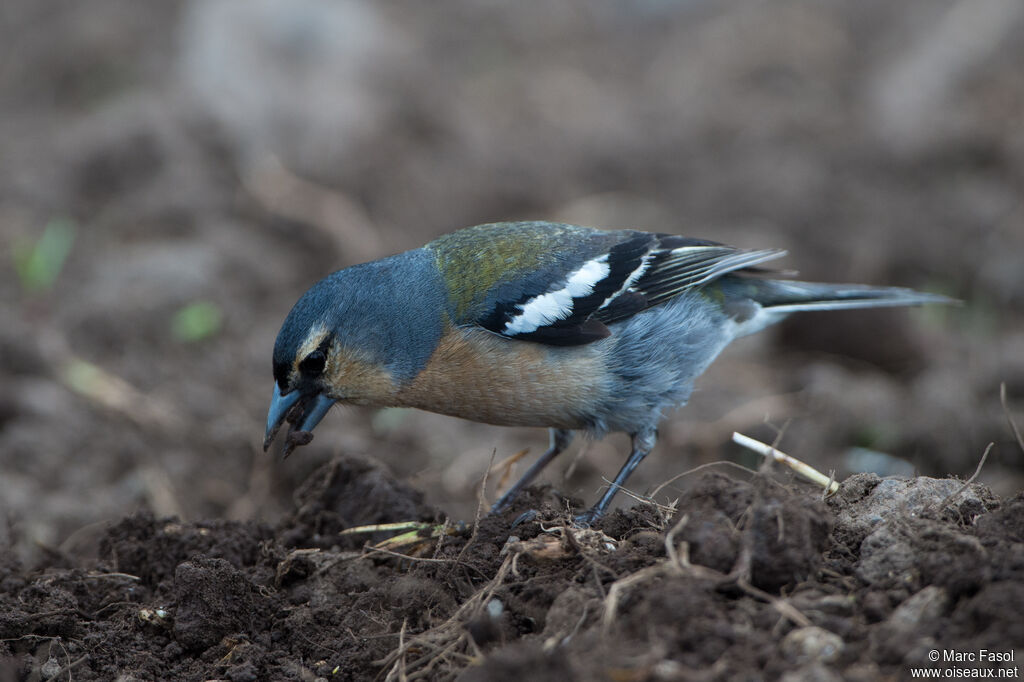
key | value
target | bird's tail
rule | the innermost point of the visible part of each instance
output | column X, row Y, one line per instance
column 782, row 297
column 775, row 299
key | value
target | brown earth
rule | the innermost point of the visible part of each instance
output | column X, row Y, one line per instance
column 751, row 578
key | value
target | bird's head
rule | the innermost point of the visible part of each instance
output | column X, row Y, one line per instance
column 318, row 364
column 354, row 338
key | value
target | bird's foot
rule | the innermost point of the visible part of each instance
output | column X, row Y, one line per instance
column 587, row 518
column 525, row 517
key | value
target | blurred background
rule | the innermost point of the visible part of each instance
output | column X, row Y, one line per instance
column 174, row 175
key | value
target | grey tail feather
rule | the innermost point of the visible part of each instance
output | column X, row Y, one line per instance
column 780, row 296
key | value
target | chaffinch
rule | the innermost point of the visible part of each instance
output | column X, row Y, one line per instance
column 536, row 324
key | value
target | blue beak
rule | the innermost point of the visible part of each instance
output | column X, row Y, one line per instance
column 302, row 412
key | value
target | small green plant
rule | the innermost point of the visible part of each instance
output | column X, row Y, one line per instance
column 39, row 263
column 196, row 321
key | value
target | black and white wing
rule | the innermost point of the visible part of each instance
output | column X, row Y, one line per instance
column 591, row 279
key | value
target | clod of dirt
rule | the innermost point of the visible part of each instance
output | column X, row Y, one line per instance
column 213, row 599
column 50, row 609
column 348, row 492
column 906, row 540
column 715, row 505
column 300, row 438
column 992, row 615
column 151, row 548
column 569, row 613
column 783, row 534
column 911, row 629
column 623, row 523
column 788, row 533
column 866, row 500
column 1006, row 522
column 916, row 552
column 1001, row 533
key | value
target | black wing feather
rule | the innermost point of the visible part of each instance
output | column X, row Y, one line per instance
column 677, row 264
column 644, row 270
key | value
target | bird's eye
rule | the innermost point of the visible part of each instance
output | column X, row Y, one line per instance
column 313, row 364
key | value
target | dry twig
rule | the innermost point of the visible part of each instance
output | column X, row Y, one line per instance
column 1009, row 418
column 481, row 502
column 805, row 470
column 506, row 467
column 959, row 491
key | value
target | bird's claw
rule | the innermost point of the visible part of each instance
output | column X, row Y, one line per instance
column 525, row 517
column 586, row 519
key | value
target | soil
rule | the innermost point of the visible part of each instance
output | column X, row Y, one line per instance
column 750, row 577
column 174, row 175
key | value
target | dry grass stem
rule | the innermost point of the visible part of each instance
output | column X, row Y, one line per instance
column 1009, row 418
column 805, row 470
column 670, row 544
column 784, row 608
column 615, row 592
column 697, row 469
column 506, row 467
column 386, row 527
column 481, row 502
column 667, row 511
column 959, row 491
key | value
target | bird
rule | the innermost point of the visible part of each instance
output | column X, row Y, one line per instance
column 538, row 324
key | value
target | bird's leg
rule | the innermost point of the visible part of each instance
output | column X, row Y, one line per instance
column 560, row 439
column 643, row 443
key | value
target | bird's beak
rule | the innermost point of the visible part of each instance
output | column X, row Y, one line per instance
column 302, row 412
